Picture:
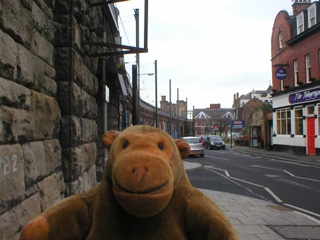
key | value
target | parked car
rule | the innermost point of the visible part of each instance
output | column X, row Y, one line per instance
column 196, row 146
column 215, row 142
column 203, row 139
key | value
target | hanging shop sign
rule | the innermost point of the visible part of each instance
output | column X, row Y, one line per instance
column 281, row 73
column 304, row 96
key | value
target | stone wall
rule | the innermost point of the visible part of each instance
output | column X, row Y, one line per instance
column 48, row 106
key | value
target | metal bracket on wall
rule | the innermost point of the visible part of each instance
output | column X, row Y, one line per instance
column 129, row 49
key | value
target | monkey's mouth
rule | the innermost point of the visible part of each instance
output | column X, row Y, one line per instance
column 150, row 190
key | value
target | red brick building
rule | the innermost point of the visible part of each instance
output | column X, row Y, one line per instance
column 296, row 78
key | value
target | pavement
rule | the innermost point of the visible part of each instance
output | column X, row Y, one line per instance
column 263, row 220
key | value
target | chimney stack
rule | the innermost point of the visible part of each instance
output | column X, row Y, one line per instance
column 300, row 5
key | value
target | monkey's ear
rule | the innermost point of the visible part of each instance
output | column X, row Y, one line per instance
column 109, row 137
column 183, row 147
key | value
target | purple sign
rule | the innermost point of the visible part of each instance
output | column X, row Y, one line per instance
column 305, row 96
column 281, row 73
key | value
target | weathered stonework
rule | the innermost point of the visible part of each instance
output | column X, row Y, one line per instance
column 34, row 162
column 16, row 20
column 52, row 190
column 84, row 182
column 13, row 220
column 77, row 160
column 48, row 105
column 12, row 185
column 8, row 56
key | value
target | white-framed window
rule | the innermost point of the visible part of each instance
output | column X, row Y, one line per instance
column 295, row 72
column 300, row 23
column 308, row 68
column 312, row 15
column 298, row 117
column 284, row 121
column 280, row 40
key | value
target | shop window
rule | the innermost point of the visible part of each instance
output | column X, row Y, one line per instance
column 283, row 121
column 298, row 117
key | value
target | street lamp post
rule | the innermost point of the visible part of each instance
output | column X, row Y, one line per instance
column 156, row 89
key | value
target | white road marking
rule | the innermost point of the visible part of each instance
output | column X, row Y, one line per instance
column 293, row 163
column 225, row 171
column 273, row 195
column 225, row 159
column 302, row 210
column 254, row 184
column 289, row 173
column 260, row 166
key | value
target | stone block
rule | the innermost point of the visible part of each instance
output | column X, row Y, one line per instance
column 81, row 130
column 30, row 69
column 14, row 95
column 52, row 190
column 63, row 32
column 81, row 159
column 83, row 76
column 12, row 184
column 52, row 151
column 84, row 183
column 16, row 20
column 63, row 65
column 43, row 20
column 8, row 56
column 82, row 104
column 13, row 220
column 42, row 48
column 17, row 125
column 41, row 121
column 46, row 116
column 34, row 162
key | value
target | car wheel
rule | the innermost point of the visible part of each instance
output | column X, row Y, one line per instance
column 201, row 155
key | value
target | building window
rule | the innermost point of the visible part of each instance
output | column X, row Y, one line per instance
column 280, row 40
column 312, row 15
column 298, row 116
column 296, row 73
column 300, row 23
column 308, row 68
column 283, row 121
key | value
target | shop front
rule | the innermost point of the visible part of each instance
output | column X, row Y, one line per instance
column 296, row 123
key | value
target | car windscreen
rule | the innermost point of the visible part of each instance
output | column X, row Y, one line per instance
column 192, row 140
column 215, row 138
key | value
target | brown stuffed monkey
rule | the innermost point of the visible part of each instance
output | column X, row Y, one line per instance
column 144, row 194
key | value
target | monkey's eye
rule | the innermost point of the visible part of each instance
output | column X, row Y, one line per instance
column 125, row 144
column 160, row 146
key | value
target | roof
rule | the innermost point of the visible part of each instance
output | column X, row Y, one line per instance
column 213, row 113
column 202, row 115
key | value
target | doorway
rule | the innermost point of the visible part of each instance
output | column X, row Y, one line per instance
column 311, row 136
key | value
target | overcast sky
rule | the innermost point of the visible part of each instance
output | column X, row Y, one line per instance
column 209, row 49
